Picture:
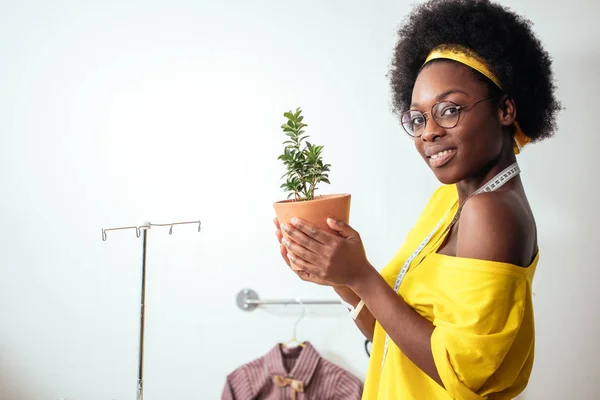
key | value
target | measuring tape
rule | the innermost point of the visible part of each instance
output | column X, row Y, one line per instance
column 494, row 184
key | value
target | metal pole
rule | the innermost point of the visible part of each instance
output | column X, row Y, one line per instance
column 248, row 300
column 287, row 302
column 140, row 387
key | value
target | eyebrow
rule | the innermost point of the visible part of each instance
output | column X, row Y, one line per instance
column 442, row 95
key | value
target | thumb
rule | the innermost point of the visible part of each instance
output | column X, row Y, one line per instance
column 342, row 228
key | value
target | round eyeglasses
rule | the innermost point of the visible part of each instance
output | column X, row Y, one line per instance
column 446, row 114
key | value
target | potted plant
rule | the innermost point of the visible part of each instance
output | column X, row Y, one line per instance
column 305, row 171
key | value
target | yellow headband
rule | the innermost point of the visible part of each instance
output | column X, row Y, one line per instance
column 469, row 58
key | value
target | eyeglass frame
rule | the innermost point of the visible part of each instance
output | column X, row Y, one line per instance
column 459, row 108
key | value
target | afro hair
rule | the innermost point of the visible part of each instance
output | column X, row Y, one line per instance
column 502, row 38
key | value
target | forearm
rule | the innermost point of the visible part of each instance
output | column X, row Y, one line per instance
column 365, row 320
column 407, row 329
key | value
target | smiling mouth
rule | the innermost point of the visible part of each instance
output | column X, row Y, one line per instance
column 439, row 159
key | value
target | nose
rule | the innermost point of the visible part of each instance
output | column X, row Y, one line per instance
column 432, row 131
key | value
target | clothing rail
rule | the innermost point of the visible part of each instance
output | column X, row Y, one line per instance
column 248, row 300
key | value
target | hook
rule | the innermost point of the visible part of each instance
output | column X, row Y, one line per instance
column 138, row 229
column 148, row 225
column 299, row 319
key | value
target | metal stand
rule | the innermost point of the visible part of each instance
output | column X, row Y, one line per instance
column 144, row 233
column 140, row 385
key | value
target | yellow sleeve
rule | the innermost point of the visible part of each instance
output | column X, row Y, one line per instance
column 482, row 336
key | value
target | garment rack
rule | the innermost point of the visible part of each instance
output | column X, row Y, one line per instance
column 248, row 300
column 147, row 226
column 142, row 231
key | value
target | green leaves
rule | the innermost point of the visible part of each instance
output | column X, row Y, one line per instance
column 302, row 159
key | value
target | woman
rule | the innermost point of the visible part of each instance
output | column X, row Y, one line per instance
column 451, row 315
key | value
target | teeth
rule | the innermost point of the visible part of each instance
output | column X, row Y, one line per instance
column 440, row 154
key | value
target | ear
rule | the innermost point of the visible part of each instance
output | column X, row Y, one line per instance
column 507, row 111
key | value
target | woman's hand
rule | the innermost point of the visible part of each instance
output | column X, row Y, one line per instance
column 365, row 320
column 322, row 257
column 282, row 248
column 284, row 254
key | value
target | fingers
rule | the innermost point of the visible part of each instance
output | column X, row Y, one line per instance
column 306, row 235
column 299, row 245
column 343, row 228
column 299, row 250
column 297, row 270
column 284, row 253
column 300, row 264
column 277, row 229
column 310, row 230
column 279, row 236
column 305, row 276
column 298, row 237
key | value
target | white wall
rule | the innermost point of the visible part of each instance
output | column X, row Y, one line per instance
column 115, row 114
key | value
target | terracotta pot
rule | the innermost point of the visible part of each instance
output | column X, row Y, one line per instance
column 316, row 211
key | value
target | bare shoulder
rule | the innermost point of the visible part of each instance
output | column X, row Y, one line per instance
column 497, row 226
